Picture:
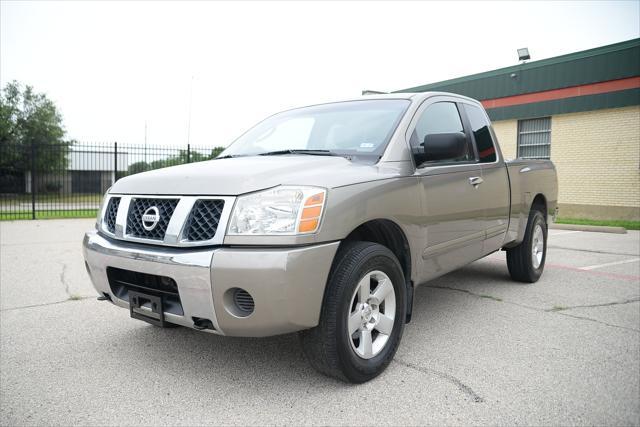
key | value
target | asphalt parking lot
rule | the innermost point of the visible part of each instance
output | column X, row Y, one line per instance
column 480, row 349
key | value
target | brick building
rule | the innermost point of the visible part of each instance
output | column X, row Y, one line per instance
column 581, row 110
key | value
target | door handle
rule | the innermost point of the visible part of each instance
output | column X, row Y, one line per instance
column 475, row 181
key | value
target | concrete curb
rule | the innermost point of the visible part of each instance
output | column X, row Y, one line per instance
column 592, row 228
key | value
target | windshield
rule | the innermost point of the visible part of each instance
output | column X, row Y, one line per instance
column 356, row 129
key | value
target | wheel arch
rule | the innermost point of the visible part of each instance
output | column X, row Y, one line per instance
column 540, row 203
column 390, row 235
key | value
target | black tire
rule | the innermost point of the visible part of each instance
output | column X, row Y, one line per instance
column 328, row 346
column 519, row 259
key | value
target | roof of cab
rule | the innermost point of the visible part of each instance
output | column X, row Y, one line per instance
column 416, row 97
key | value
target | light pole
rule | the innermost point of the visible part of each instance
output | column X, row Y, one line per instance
column 145, row 144
column 189, row 117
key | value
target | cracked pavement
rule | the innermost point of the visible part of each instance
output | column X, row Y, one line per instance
column 480, row 349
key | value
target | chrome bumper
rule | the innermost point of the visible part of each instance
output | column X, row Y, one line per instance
column 287, row 284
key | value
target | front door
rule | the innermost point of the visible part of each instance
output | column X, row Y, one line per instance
column 452, row 205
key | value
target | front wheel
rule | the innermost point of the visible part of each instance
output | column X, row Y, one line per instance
column 363, row 314
column 526, row 261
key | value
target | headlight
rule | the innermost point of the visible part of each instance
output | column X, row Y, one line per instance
column 279, row 211
column 100, row 209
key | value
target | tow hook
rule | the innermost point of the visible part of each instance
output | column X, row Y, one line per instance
column 199, row 324
column 104, row 297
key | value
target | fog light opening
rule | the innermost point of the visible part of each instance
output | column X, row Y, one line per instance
column 238, row 302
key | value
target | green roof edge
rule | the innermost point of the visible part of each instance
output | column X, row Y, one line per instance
column 627, row 44
column 577, row 104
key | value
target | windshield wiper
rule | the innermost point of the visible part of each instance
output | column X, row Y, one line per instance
column 230, row 156
column 309, row 152
column 289, row 151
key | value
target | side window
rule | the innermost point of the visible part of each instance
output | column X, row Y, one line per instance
column 439, row 136
column 481, row 133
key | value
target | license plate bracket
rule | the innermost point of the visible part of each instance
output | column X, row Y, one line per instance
column 146, row 307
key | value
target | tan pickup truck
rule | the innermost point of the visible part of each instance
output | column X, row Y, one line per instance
column 323, row 219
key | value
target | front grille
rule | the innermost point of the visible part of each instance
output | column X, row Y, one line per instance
column 122, row 281
column 203, row 220
column 139, row 207
column 111, row 213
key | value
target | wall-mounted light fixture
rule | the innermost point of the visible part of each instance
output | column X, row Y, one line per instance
column 523, row 54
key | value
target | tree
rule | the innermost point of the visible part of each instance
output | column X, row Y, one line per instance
column 181, row 158
column 28, row 121
column 216, row 152
column 137, row 167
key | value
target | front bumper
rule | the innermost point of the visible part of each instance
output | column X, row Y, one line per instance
column 287, row 284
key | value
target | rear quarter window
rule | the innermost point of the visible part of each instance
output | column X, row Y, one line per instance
column 481, row 133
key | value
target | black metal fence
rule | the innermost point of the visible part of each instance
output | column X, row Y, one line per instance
column 69, row 180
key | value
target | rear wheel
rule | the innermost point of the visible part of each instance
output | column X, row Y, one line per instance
column 363, row 314
column 526, row 261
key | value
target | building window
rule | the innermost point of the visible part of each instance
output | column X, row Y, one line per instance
column 534, row 138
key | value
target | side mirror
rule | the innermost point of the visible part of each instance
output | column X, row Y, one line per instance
column 444, row 146
column 418, row 153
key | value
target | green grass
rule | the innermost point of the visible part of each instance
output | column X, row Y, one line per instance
column 629, row 225
column 51, row 198
column 491, row 297
column 53, row 214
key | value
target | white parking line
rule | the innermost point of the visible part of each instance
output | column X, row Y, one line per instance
column 626, row 261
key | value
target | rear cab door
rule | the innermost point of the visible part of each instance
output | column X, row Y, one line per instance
column 494, row 188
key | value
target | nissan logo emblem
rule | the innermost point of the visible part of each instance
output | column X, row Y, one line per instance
column 150, row 218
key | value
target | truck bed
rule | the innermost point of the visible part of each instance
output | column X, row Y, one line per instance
column 528, row 177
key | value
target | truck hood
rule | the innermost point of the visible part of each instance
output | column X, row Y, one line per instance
column 235, row 176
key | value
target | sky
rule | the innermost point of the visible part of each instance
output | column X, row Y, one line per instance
column 204, row 72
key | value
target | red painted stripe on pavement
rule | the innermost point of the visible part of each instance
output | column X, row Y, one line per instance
column 596, row 273
column 628, row 277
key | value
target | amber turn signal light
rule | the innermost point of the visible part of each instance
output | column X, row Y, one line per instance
column 310, row 217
